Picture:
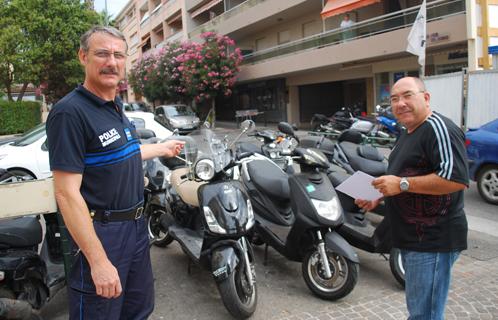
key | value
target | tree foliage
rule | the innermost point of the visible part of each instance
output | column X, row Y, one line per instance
column 188, row 71
column 39, row 44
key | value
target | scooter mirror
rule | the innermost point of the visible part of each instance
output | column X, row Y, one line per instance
column 247, row 125
column 286, row 128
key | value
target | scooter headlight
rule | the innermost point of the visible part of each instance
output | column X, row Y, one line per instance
column 330, row 210
column 204, row 169
column 212, row 223
column 250, row 215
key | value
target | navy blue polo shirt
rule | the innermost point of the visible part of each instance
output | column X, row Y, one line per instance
column 91, row 136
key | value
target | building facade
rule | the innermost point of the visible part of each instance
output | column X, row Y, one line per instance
column 299, row 61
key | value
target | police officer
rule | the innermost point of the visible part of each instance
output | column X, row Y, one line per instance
column 96, row 160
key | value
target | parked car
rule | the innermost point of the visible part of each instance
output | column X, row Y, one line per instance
column 482, row 151
column 136, row 106
column 178, row 116
column 27, row 156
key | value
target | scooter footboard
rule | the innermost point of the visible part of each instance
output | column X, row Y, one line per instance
column 224, row 260
column 336, row 243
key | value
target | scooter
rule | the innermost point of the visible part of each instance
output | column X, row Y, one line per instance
column 349, row 152
column 363, row 232
column 359, row 229
column 210, row 217
column 28, row 278
column 299, row 215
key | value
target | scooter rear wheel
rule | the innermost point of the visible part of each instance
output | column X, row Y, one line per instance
column 396, row 265
column 239, row 297
column 157, row 235
column 343, row 280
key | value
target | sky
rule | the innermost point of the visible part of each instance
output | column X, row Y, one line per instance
column 113, row 6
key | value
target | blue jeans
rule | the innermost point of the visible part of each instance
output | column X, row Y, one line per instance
column 428, row 276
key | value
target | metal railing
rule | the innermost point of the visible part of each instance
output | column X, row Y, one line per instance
column 435, row 11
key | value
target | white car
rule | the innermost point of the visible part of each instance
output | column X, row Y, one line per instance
column 27, row 156
column 146, row 120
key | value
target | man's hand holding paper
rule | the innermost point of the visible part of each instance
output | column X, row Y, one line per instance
column 359, row 186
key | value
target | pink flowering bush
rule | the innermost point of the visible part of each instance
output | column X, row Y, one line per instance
column 188, row 71
column 210, row 69
column 156, row 75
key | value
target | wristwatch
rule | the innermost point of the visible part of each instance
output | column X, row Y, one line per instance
column 404, row 184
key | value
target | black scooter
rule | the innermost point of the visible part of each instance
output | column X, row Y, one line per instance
column 349, row 152
column 210, row 216
column 28, row 278
column 371, row 235
column 299, row 215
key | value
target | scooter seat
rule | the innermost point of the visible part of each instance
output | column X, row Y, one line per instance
column 372, row 167
column 20, row 232
column 269, row 178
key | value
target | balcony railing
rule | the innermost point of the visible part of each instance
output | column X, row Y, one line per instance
column 435, row 10
column 208, row 26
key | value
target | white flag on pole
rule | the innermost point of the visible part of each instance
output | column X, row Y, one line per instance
column 417, row 36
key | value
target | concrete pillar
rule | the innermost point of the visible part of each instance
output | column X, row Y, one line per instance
column 293, row 105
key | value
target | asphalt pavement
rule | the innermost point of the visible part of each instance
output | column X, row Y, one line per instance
column 282, row 293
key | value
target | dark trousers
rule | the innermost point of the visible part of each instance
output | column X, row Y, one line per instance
column 127, row 246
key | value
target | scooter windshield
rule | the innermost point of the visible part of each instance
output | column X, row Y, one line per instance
column 209, row 146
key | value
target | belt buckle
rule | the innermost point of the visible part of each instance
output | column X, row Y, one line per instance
column 138, row 213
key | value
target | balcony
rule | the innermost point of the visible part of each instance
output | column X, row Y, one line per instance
column 247, row 13
column 436, row 10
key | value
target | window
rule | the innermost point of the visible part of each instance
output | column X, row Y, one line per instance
column 284, row 37
column 134, row 40
column 260, row 44
column 145, row 17
column 310, row 28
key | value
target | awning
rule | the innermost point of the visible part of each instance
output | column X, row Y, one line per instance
column 335, row 7
column 205, row 7
column 174, row 17
column 144, row 41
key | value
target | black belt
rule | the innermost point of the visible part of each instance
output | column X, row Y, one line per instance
column 112, row 216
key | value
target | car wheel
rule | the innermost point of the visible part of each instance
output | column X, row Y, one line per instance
column 22, row 175
column 487, row 183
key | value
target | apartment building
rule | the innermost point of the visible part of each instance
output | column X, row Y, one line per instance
column 298, row 60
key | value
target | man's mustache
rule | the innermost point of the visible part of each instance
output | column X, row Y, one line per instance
column 109, row 71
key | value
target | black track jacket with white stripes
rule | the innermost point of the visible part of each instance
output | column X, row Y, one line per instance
column 425, row 222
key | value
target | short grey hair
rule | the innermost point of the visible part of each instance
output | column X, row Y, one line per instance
column 85, row 38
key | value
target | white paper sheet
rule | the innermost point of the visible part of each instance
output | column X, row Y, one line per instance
column 359, row 186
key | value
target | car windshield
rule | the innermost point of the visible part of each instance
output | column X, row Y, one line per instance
column 30, row 136
column 179, row 111
column 491, row 126
column 137, row 122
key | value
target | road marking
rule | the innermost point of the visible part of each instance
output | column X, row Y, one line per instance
column 483, row 225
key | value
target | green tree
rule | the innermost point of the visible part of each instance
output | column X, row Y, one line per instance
column 39, row 44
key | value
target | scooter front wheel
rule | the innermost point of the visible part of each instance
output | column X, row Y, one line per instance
column 238, row 295
column 396, row 265
column 340, row 284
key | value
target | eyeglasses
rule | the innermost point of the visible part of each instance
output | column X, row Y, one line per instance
column 105, row 55
column 406, row 96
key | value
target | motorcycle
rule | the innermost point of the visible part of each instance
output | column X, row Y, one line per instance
column 210, row 217
column 298, row 215
column 28, row 278
column 339, row 121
